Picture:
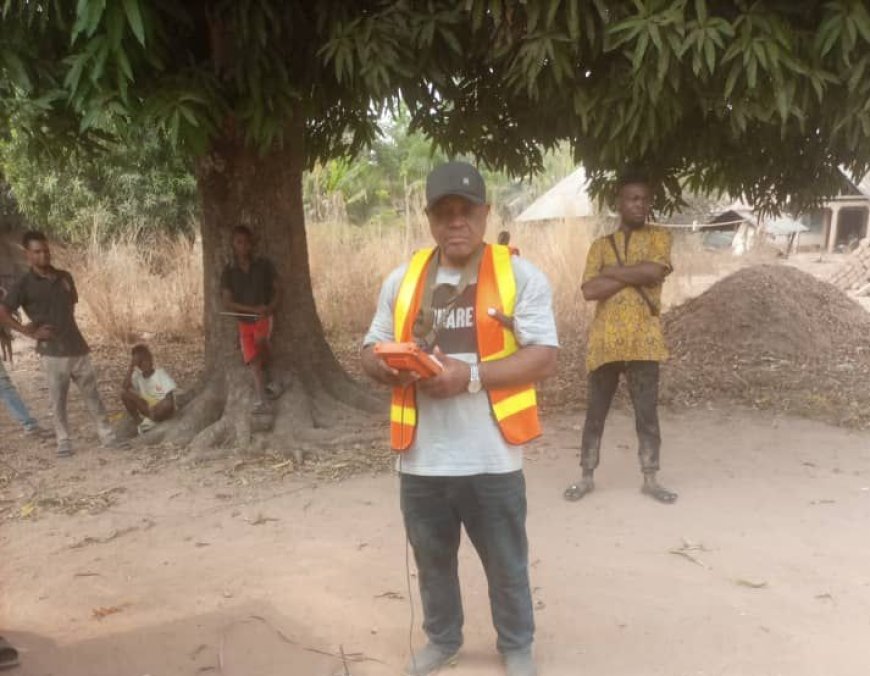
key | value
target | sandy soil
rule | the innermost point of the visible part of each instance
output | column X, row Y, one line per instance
column 146, row 563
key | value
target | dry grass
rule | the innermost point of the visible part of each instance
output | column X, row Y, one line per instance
column 135, row 288
column 347, row 293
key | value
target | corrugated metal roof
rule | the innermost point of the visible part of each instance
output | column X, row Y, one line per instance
column 862, row 185
column 784, row 226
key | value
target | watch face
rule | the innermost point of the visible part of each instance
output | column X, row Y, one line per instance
column 474, row 381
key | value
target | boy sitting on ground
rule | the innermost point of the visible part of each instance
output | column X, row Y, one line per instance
column 148, row 393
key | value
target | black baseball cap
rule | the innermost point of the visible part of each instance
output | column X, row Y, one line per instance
column 455, row 178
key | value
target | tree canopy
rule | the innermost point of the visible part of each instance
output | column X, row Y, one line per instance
column 761, row 98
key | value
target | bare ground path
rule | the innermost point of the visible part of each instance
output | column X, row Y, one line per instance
column 762, row 568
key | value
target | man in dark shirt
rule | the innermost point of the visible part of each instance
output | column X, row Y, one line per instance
column 249, row 288
column 49, row 297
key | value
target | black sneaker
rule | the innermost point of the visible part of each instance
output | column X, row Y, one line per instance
column 429, row 660
column 38, row 433
column 274, row 390
column 519, row 663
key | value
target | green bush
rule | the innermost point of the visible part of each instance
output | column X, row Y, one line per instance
column 138, row 185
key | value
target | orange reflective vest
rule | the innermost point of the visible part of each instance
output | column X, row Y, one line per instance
column 515, row 409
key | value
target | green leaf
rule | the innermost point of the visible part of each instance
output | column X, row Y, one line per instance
column 124, row 64
column 829, row 33
column 663, row 65
column 134, row 18
column 189, row 116
column 73, row 76
column 16, row 68
column 640, row 51
column 574, row 19
column 90, row 118
column 752, row 74
column 174, row 126
column 731, row 81
column 115, row 24
column 857, row 74
column 861, row 17
column 47, row 100
column 710, row 54
column 758, row 49
column 656, row 36
column 818, row 87
column 851, row 33
column 81, row 20
column 552, row 10
column 533, row 14
column 701, row 11
column 678, row 47
column 99, row 61
column 782, row 103
column 122, row 83
column 451, row 40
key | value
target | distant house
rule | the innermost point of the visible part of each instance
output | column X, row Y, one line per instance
column 836, row 226
column 842, row 220
column 565, row 200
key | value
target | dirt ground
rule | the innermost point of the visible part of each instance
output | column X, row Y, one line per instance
column 135, row 563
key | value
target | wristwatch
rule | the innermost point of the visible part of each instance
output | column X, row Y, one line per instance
column 474, row 384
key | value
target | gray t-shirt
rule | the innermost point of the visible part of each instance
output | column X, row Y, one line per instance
column 459, row 436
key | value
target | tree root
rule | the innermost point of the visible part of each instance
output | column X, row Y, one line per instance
column 309, row 417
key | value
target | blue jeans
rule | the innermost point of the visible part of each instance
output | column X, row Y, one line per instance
column 492, row 507
column 9, row 395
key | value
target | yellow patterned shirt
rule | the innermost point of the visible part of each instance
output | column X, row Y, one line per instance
column 624, row 329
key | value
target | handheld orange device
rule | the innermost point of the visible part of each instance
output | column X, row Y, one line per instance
column 409, row 357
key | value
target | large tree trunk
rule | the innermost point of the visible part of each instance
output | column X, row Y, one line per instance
column 321, row 405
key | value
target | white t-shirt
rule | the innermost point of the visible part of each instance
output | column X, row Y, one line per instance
column 459, row 436
column 155, row 387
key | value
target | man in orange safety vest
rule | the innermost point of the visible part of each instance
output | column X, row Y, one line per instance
column 487, row 316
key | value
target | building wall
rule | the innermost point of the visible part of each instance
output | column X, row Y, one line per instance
column 852, row 222
column 818, row 222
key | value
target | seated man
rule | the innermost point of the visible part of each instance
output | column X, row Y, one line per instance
column 148, row 393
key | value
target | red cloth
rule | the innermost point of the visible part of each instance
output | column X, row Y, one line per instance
column 252, row 334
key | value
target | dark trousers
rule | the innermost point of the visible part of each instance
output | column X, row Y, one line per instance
column 492, row 507
column 643, row 386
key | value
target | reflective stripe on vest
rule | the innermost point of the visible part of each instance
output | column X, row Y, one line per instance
column 514, row 408
column 403, row 408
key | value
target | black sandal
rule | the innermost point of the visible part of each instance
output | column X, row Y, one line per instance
column 8, row 655
column 659, row 493
column 575, row 492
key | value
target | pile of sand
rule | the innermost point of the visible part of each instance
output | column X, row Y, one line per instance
column 773, row 337
column 769, row 311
